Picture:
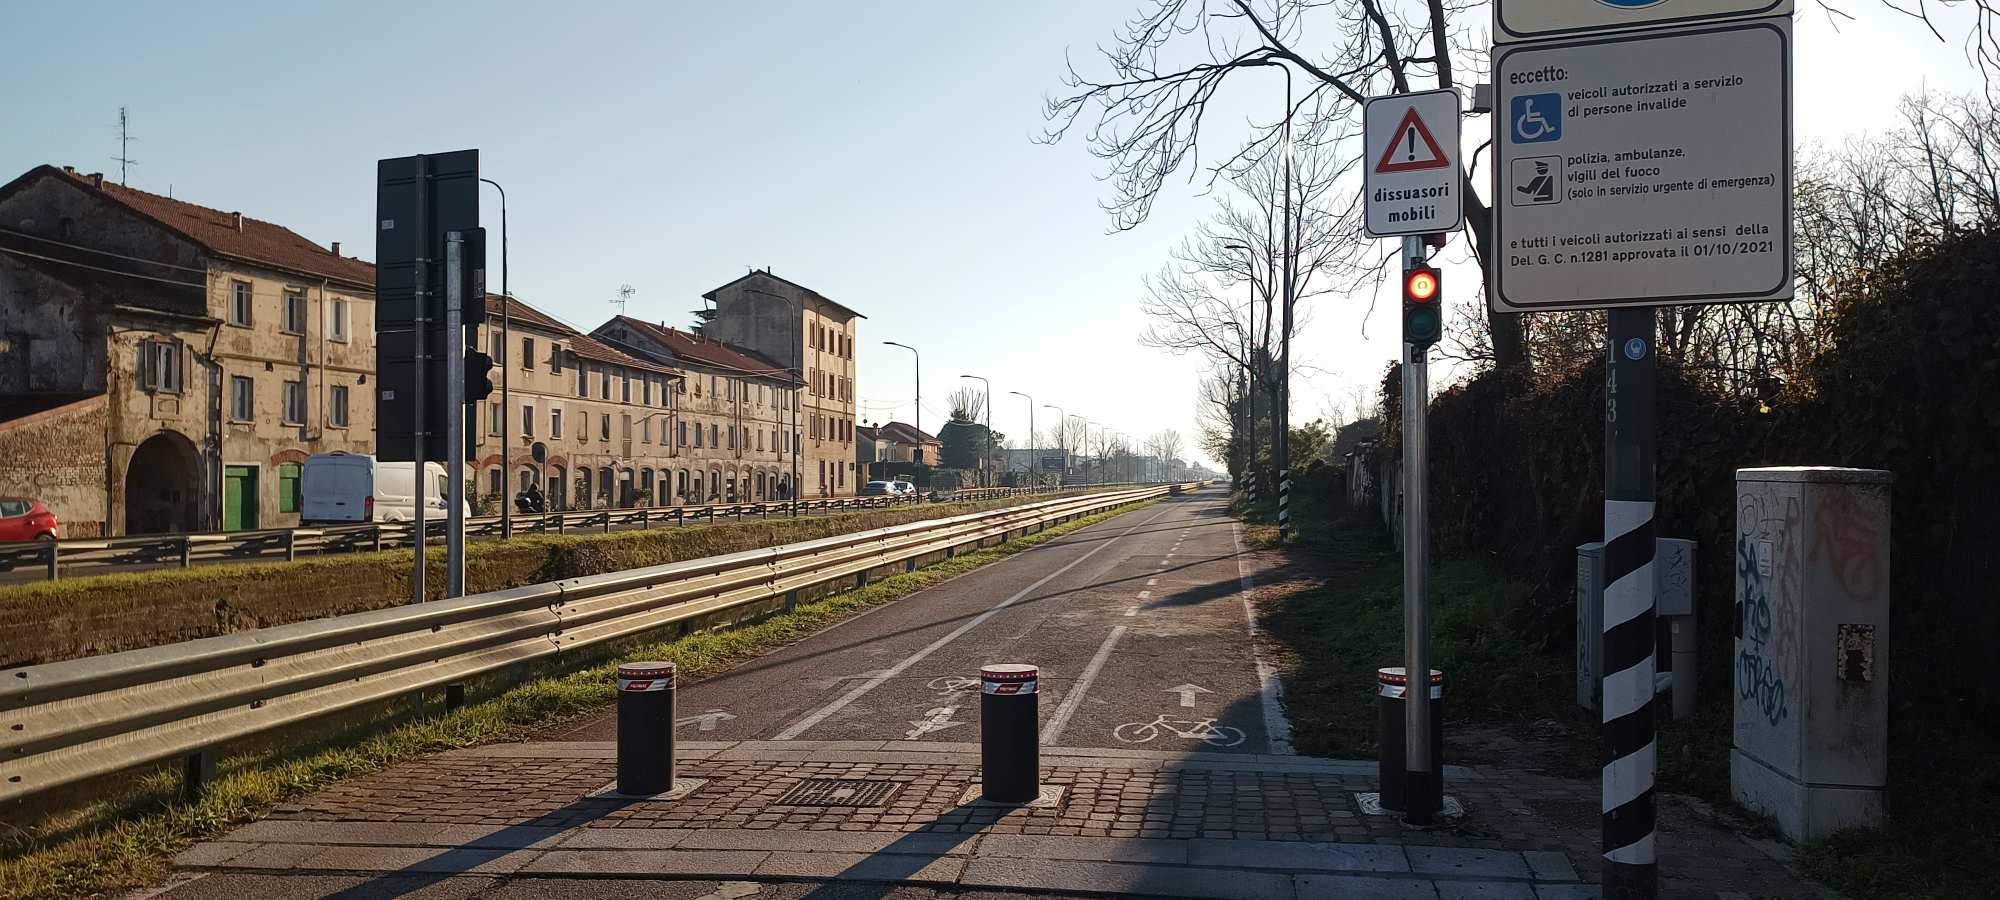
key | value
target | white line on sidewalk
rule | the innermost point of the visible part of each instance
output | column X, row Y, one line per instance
column 1053, row 731
column 819, row 715
column 1277, row 729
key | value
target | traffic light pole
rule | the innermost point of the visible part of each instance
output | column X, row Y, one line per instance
column 454, row 444
column 1423, row 779
column 419, row 337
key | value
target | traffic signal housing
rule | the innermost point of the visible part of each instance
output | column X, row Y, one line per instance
column 478, row 376
column 1423, row 317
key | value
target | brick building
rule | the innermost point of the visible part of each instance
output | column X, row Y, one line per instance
column 165, row 366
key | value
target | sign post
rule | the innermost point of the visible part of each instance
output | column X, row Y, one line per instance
column 1642, row 158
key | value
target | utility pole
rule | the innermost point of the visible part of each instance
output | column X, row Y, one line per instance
column 1034, row 450
column 506, row 396
column 1282, row 416
column 125, row 139
column 454, row 400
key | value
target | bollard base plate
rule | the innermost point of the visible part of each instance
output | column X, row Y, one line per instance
column 1371, row 805
column 682, row 788
column 1050, row 798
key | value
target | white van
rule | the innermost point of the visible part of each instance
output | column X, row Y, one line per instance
column 345, row 488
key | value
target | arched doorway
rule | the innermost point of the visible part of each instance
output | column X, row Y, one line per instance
column 163, row 486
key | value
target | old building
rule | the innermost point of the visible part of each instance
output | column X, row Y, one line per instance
column 740, row 413
column 590, row 425
column 165, row 366
column 814, row 337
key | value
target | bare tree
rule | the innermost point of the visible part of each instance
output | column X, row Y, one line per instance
column 967, row 404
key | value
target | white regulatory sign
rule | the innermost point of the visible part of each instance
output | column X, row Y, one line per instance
column 1521, row 20
column 1411, row 182
column 1644, row 169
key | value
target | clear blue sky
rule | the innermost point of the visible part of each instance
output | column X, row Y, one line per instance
column 879, row 153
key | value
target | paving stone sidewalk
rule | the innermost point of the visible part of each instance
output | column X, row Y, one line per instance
column 1130, row 822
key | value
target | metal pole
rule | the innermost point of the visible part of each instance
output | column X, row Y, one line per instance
column 506, row 395
column 1423, row 780
column 1631, row 868
column 454, row 400
column 419, row 335
column 1034, row 442
column 1284, row 411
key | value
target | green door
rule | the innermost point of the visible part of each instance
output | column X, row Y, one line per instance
column 239, row 498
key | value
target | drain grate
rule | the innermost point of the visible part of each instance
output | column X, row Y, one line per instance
column 840, row 792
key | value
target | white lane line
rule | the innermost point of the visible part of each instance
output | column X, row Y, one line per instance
column 1131, row 610
column 1144, row 594
column 1060, row 720
column 1152, row 581
column 1270, row 691
column 861, row 690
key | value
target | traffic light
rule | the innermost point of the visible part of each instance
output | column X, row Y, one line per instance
column 478, row 376
column 1423, row 319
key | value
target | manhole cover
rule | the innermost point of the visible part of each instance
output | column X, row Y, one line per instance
column 839, row 792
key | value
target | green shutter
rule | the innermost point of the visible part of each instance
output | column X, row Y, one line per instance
column 288, row 488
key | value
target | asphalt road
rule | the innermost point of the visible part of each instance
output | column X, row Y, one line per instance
column 1138, row 625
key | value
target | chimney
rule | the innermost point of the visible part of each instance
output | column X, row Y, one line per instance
column 70, row 169
column 336, row 248
column 236, row 219
column 97, row 180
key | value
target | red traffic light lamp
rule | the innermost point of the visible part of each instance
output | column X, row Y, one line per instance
column 1423, row 319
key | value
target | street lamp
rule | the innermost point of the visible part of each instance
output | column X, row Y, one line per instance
column 506, row 397
column 1062, row 441
column 1249, row 374
column 917, row 415
column 986, row 462
column 1034, row 450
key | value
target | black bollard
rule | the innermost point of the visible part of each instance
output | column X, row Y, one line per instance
column 1010, row 759
column 1390, row 683
column 645, row 728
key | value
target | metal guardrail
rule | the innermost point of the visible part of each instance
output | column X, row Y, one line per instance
column 69, row 721
column 88, row 556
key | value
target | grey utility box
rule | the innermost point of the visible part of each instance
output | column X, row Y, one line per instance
column 1673, row 593
column 1811, row 745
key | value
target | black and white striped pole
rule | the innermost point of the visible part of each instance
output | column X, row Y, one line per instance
column 1630, row 863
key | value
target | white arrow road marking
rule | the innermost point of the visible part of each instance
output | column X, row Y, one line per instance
column 938, row 719
column 1187, row 692
column 707, row 719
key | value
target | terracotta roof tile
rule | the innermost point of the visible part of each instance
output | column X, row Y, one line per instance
column 583, row 345
column 698, row 349
column 255, row 241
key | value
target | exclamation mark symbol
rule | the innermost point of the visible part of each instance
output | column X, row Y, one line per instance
column 1411, row 137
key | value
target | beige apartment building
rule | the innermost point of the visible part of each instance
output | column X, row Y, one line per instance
column 166, row 366
column 740, row 416
column 812, row 336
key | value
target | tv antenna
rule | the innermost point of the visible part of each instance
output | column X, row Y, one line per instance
column 125, row 139
column 625, row 292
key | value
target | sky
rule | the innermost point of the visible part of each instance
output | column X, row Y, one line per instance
column 880, row 153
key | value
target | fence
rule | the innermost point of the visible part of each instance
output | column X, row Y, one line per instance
column 69, row 721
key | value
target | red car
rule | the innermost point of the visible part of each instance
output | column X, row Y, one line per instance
column 26, row 519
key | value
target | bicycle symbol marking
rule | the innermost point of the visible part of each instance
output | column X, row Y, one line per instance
column 1204, row 730
column 948, row 685
column 1536, row 118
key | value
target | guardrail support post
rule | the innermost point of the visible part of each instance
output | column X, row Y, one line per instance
column 378, row 538
column 187, row 551
column 646, row 728
column 197, row 770
column 291, row 546
column 607, row 521
column 454, row 697
column 910, row 565
column 860, row 580
column 55, row 561
column 1010, row 759
column 791, row 600
column 645, row 520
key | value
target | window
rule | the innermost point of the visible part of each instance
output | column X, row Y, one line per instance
column 294, row 405
column 295, row 312
column 336, row 406
column 604, row 426
column 732, row 437
column 555, row 359
column 496, row 348
column 625, row 427
column 288, row 487
column 697, row 434
column 239, row 303
column 528, row 353
column 582, row 379
column 336, row 319
column 604, row 385
column 684, row 434
column 527, row 420
column 646, row 430
column 625, row 387
column 242, row 399
column 160, row 365
column 555, row 424
column 647, row 386
column 712, row 388
column 760, row 440
column 732, row 388
column 713, row 441
column 493, row 483
column 493, row 420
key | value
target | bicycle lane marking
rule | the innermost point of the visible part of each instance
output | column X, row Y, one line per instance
column 819, row 715
column 1270, row 691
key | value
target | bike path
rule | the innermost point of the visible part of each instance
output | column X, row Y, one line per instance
column 907, row 671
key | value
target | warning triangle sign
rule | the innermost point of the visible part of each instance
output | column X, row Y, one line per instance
column 1413, row 149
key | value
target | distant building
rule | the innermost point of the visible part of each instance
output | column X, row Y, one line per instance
column 166, row 366
column 814, row 337
column 902, row 442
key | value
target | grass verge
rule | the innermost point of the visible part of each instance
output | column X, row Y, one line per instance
column 129, row 842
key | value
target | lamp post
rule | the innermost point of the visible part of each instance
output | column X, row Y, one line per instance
column 1034, row 452
column 986, row 462
column 506, row 396
column 917, row 413
column 1249, row 374
column 1062, row 442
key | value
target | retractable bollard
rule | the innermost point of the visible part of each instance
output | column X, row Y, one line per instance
column 645, row 728
column 1391, row 686
column 1010, row 759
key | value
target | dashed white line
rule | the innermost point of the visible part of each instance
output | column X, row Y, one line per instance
column 1060, row 720
column 1152, row 581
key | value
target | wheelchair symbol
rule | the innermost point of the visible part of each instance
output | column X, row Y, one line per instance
column 1536, row 118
